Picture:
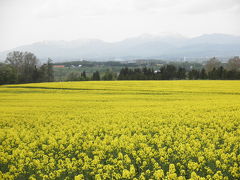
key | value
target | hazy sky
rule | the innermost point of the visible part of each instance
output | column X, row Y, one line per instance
column 28, row 21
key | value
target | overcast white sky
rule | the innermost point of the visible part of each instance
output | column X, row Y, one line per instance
column 27, row 21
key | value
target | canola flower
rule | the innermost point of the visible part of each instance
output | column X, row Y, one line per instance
column 120, row 130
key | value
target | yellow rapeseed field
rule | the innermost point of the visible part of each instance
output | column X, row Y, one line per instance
column 120, row 130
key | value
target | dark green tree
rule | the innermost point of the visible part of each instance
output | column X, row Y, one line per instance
column 96, row 76
column 194, row 74
column 83, row 76
column 181, row 73
column 203, row 74
column 168, row 72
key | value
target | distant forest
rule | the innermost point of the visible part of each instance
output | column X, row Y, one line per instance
column 24, row 67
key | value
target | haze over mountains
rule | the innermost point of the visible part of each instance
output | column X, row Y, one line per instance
column 146, row 46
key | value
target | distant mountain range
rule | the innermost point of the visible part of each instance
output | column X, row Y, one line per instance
column 141, row 47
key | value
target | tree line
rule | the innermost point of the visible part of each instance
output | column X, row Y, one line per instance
column 213, row 69
column 170, row 72
column 24, row 67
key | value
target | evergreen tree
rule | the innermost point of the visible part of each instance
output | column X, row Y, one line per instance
column 96, row 76
column 203, row 74
column 193, row 74
column 181, row 73
column 168, row 72
column 83, row 75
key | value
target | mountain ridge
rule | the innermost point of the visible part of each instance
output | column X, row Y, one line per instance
column 145, row 46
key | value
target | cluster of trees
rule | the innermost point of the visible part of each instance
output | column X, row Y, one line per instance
column 24, row 67
column 213, row 69
column 77, row 76
column 166, row 72
column 219, row 73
